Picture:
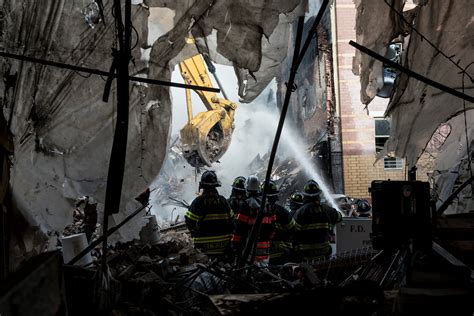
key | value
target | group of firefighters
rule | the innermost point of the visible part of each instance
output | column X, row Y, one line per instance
column 221, row 227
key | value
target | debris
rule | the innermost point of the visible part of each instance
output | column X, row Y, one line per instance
column 84, row 219
column 144, row 197
column 214, row 142
column 150, row 232
column 92, row 14
column 127, row 272
column 144, row 259
column 172, row 277
column 90, row 220
column 110, row 231
column 74, row 244
column 309, row 274
column 176, row 227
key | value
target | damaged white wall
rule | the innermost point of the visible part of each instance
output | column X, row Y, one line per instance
column 416, row 109
column 62, row 129
column 251, row 36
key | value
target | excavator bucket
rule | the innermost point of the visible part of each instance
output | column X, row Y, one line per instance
column 206, row 137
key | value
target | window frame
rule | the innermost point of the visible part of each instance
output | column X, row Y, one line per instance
column 389, row 162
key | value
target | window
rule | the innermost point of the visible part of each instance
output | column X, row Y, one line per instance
column 392, row 163
column 382, row 133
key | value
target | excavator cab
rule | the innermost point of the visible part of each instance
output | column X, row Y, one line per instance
column 206, row 136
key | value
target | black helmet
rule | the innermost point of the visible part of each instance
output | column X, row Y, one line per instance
column 239, row 183
column 209, row 179
column 311, row 189
column 363, row 206
column 252, row 184
column 297, row 197
column 272, row 188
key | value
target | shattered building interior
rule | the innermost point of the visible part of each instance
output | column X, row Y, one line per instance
column 114, row 112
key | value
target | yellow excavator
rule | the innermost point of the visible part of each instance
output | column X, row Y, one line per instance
column 206, row 136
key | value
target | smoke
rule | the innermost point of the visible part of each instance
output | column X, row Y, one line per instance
column 297, row 148
column 255, row 125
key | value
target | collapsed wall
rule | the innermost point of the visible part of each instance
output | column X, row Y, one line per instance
column 62, row 130
column 312, row 109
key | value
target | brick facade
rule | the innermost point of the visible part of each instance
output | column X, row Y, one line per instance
column 361, row 170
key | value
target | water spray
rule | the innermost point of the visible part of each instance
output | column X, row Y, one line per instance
column 299, row 153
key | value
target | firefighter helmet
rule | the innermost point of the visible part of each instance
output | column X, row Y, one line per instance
column 252, row 184
column 239, row 183
column 311, row 189
column 363, row 206
column 209, row 179
column 272, row 188
column 297, row 197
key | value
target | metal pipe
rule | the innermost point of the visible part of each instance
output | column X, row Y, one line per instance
column 411, row 73
column 189, row 105
column 113, row 190
column 220, row 85
column 106, row 73
column 212, row 70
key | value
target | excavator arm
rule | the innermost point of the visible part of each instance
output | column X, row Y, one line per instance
column 206, row 136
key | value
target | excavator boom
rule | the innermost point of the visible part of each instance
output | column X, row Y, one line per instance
column 206, row 136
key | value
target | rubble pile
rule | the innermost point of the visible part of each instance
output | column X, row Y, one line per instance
column 76, row 226
column 150, row 274
column 84, row 219
column 287, row 173
column 173, row 278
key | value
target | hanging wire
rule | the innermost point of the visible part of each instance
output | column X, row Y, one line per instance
column 468, row 145
column 116, row 28
column 4, row 15
column 81, row 75
column 140, row 122
column 142, row 109
column 138, row 38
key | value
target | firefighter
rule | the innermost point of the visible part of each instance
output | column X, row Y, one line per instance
column 238, row 196
column 246, row 219
column 313, row 223
column 280, row 246
column 209, row 218
column 363, row 208
column 295, row 202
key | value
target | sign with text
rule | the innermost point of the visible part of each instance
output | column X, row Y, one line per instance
column 353, row 233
